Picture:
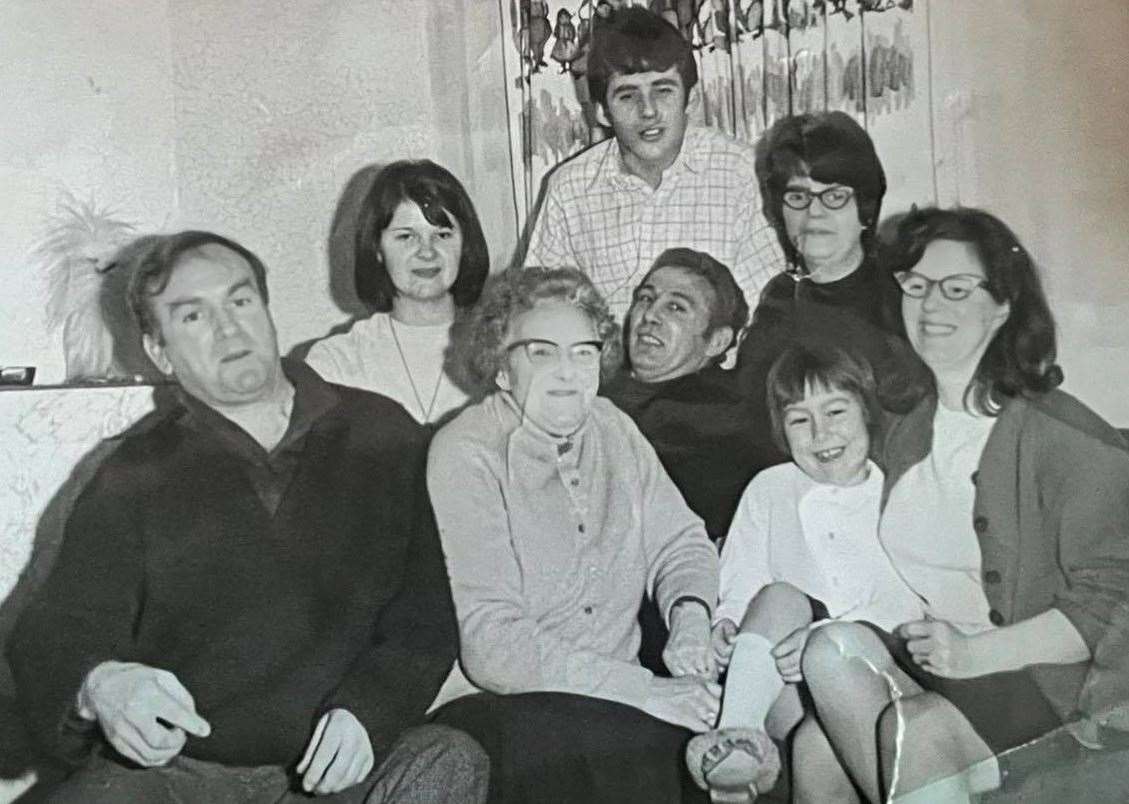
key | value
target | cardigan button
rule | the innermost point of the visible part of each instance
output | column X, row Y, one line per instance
column 995, row 617
column 587, row 609
column 980, row 523
column 992, row 576
column 975, row 477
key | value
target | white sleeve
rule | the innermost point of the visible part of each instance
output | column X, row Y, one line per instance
column 744, row 557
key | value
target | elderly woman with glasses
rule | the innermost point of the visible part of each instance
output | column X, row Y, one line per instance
column 1006, row 510
column 556, row 518
column 822, row 185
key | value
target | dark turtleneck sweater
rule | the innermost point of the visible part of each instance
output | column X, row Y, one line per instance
column 848, row 313
column 700, row 428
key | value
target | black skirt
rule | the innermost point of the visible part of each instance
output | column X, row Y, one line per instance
column 1006, row 709
column 558, row 747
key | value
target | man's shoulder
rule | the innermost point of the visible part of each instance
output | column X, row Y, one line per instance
column 375, row 415
column 718, row 150
column 135, row 459
column 580, row 169
column 150, row 436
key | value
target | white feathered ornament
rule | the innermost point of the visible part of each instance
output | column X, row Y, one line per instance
column 78, row 248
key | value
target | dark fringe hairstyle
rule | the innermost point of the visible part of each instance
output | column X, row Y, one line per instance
column 635, row 40
column 439, row 196
column 817, row 365
column 832, row 148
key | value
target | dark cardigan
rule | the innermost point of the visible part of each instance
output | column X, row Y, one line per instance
column 172, row 558
column 1052, row 516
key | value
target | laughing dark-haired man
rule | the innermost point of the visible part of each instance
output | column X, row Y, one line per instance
column 684, row 315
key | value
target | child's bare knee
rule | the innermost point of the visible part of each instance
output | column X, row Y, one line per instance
column 781, row 603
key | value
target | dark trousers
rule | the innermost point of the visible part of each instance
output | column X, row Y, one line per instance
column 557, row 748
column 427, row 765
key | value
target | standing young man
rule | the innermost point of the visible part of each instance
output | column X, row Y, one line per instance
column 658, row 183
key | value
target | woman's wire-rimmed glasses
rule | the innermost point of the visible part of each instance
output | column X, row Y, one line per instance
column 832, row 198
column 547, row 353
column 955, row 287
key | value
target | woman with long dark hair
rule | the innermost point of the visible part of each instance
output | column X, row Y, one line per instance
column 1006, row 510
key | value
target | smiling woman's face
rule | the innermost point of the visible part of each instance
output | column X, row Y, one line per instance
column 422, row 259
column 557, row 395
column 951, row 336
column 829, row 240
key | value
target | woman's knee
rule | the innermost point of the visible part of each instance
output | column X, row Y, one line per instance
column 830, row 646
column 817, row 774
column 809, row 743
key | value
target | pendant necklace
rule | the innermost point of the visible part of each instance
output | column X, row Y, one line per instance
column 411, row 380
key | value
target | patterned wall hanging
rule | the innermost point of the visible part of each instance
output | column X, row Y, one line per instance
column 757, row 60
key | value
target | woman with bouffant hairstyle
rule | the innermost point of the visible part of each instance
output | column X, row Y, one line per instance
column 556, row 518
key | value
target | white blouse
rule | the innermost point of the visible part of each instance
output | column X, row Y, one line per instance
column 367, row 357
column 820, row 538
column 927, row 524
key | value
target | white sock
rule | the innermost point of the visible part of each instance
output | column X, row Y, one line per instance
column 753, row 684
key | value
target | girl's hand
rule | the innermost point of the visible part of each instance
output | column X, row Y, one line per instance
column 788, row 653
column 721, row 642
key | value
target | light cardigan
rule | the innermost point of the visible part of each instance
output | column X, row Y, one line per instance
column 551, row 544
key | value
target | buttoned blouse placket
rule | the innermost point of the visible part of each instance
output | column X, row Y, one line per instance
column 568, row 469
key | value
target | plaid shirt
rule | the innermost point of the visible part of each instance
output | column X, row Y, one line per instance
column 600, row 218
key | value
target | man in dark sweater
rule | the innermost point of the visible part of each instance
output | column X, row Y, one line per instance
column 250, row 602
column 684, row 316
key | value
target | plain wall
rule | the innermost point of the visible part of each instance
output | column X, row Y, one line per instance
column 1031, row 112
column 248, row 118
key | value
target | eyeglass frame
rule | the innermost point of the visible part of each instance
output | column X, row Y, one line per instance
column 981, row 282
column 813, row 194
column 525, row 343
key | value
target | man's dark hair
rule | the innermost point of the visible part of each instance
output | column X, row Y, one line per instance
column 816, row 365
column 440, row 196
column 155, row 258
column 635, row 40
column 729, row 308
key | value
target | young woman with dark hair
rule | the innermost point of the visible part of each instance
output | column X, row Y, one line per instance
column 420, row 257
